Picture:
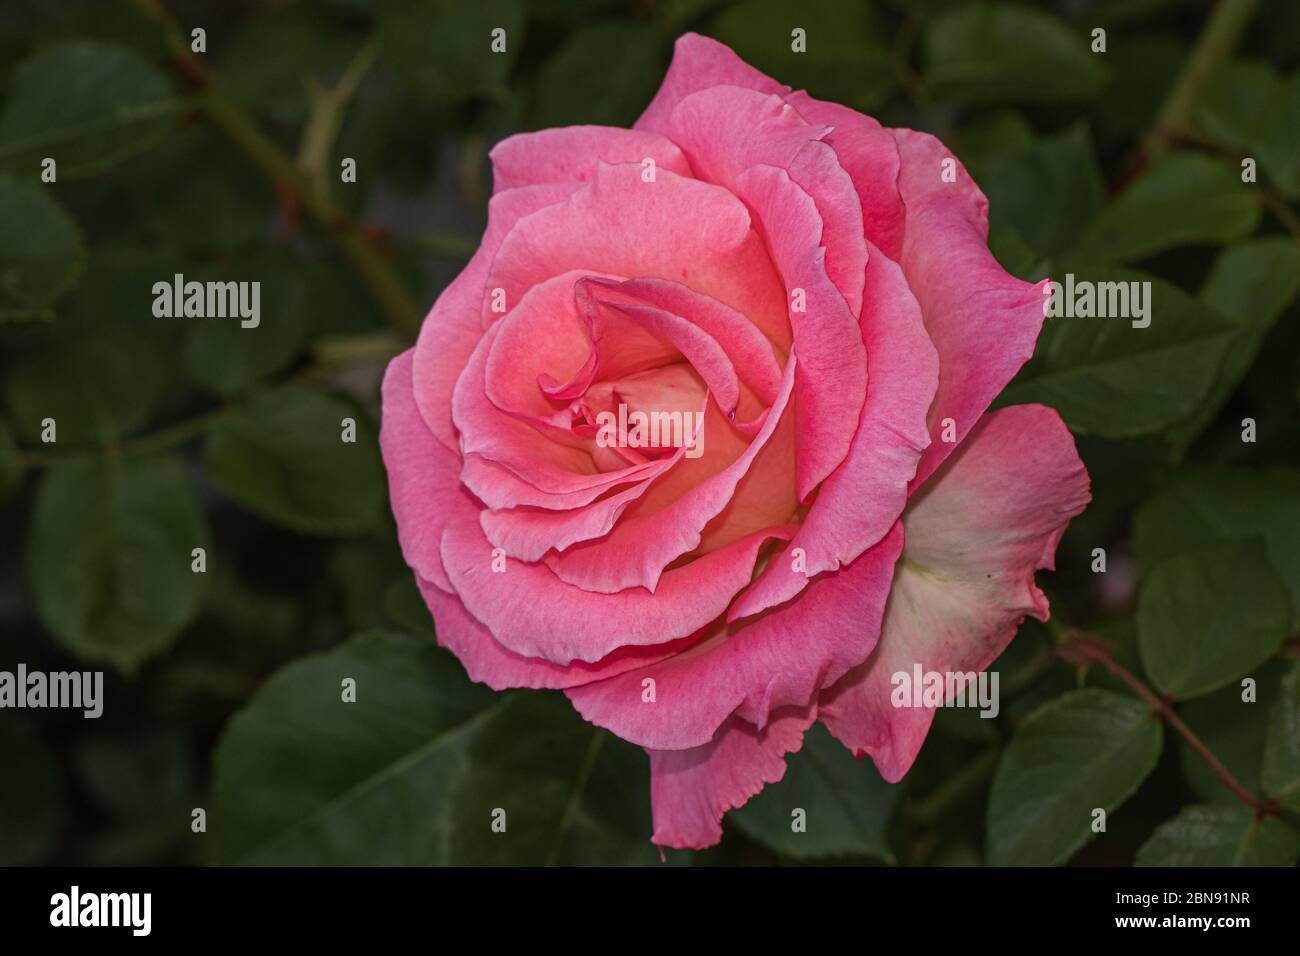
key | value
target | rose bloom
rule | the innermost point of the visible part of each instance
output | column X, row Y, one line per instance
column 821, row 289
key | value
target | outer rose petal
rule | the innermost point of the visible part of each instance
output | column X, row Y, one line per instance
column 534, row 613
column 868, row 153
column 782, row 659
column 570, row 154
column 862, row 499
column 698, row 63
column 725, row 129
column 423, row 482
column 975, row 535
column 690, row 790
column 983, row 321
column 487, row 661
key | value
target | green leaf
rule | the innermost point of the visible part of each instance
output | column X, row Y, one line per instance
column 1184, row 199
column 1048, row 190
column 32, row 803
column 1212, row 505
column 1143, row 69
column 279, row 55
column 101, row 386
column 70, row 20
column 281, row 454
column 845, row 802
column 109, row 557
column 1212, row 835
column 1246, row 105
column 987, row 133
column 406, row 608
column 1126, row 13
column 87, row 105
column 443, row 48
column 222, row 356
column 413, row 770
column 203, row 194
column 1207, row 617
column 1107, row 377
column 1234, row 730
column 1085, row 750
column 116, row 291
column 627, row 56
column 1250, row 284
column 364, row 569
column 1280, row 774
column 846, row 57
column 1015, row 255
column 995, row 53
column 41, row 251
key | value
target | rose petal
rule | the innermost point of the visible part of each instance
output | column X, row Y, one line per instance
column 698, row 63
column 529, row 533
column 671, row 228
column 862, row 499
column 423, row 486
column 610, row 312
column 569, row 154
column 749, row 351
column 832, row 381
column 543, row 335
column 487, row 431
column 488, row 662
column 669, row 521
column 983, row 321
column 690, row 790
column 453, row 326
column 725, row 130
column 781, row 659
column 534, row 613
column 869, row 154
column 975, row 535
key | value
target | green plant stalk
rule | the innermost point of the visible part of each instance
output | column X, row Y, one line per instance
column 378, row 276
column 354, row 349
column 935, row 805
column 326, row 119
column 1219, row 37
column 374, row 270
column 161, row 440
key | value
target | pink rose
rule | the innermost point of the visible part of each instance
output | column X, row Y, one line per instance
column 819, row 287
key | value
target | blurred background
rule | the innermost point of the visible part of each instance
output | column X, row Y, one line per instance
column 222, row 687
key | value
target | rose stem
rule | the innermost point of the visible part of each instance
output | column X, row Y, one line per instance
column 379, row 277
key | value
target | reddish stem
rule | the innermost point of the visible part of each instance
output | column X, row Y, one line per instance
column 1086, row 649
